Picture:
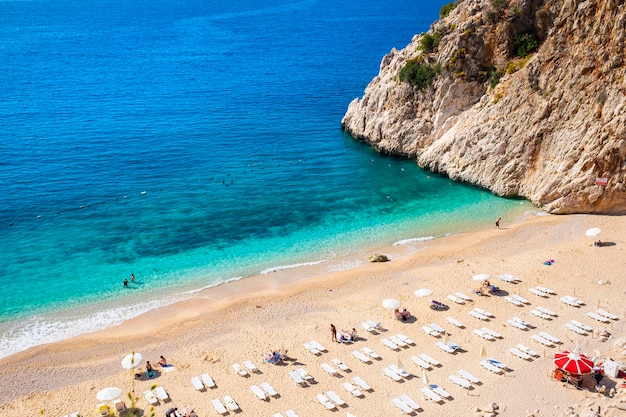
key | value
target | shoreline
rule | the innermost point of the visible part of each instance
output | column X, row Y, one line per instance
column 240, row 320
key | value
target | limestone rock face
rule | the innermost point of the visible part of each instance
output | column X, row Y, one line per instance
column 552, row 125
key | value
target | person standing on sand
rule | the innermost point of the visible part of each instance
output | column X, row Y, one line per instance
column 498, row 222
column 333, row 333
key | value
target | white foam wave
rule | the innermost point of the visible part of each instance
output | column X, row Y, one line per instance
column 346, row 265
column 206, row 287
column 413, row 240
column 282, row 268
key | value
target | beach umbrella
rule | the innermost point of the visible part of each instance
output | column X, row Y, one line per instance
column 593, row 232
column 391, row 303
column 424, row 377
column 481, row 277
column 109, row 394
column 400, row 364
column 573, row 362
column 131, row 361
column 483, row 352
column 423, row 292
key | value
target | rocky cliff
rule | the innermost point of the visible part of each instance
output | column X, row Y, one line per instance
column 528, row 99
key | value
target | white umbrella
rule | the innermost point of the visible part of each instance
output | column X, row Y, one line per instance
column 423, row 292
column 131, row 361
column 391, row 303
column 424, row 377
column 108, row 394
column 481, row 277
column 593, row 232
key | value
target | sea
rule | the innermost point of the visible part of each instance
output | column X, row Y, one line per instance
column 193, row 143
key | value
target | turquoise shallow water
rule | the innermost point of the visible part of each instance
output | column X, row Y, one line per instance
column 192, row 143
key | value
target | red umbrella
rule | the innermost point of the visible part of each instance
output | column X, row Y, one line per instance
column 573, row 362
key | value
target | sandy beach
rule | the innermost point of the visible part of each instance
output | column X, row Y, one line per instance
column 242, row 320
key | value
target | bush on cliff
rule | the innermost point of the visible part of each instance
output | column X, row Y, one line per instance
column 418, row 73
column 446, row 9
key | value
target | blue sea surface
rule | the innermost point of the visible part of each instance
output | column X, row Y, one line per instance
column 193, row 142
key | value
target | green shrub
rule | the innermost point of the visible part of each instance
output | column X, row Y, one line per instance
column 525, row 44
column 494, row 76
column 419, row 74
column 446, row 9
column 498, row 4
column 429, row 42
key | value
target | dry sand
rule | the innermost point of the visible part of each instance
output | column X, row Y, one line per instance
column 242, row 320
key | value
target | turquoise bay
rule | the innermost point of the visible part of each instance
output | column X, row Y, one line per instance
column 192, row 143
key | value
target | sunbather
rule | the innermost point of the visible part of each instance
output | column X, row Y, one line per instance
column 162, row 361
column 397, row 313
column 150, row 371
column 353, row 334
column 405, row 314
column 478, row 291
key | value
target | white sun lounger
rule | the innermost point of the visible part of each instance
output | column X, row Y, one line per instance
column 454, row 322
column 389, row 343
column 483, row 312
column 513, row 301
column 542, row 340
column 231, row 404
column 318, row 346
column 549, row 337
column 509, row 278
column 430, row 331
column 370, row 325
column 462, row 382
column 491, row 367
column 538, row 292
column 544, row 289
column 260, row 394
column 478, row 315
column 546, row 311
column 312, row 349
column 520, row 354
column 251, row 367
column 391, row 374
column 361, row 383
column 440, row 391
column 491, row 332
column 520, row 299
column 454, row 298
column 463, row 296
column 239, row 370
column 606, row 314
column 430, row 394
column 517, row 324
column 575, row 329
column 325, row 402
column 352, row 389
column 269, row 390
column 483, row 334
column 398, row 341
column 150, row 397
column 218, row 406
column 447, row 347
column 409, row 401
column 471, row 378
column 291, row 413
column 304, row 374
column 430, row 360
column 497, row 363
column 369, row 352
column 360, row 356
column 541, row 314
column 337, row 362
column 521, row 321
column 581, row 325
column 437, row 327
column 277, row 415
column 335, row 398
column 420, row 362
column 598, row 317
column 297, row 378
column 399, row 371
column 331, row 371
column 405, row 339
column 526, row 349
column 208, row 381
column 197, row 384
column 402, row 405
column 570, row 301
column 161, row 393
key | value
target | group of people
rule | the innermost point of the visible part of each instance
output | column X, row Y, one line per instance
column 402, row 315
column 132, row 278
column 345, row 336
column 150, row 372
column 186, row 412
column 273, row 357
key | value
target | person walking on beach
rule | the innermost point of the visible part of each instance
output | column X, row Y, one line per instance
column 125, row 282
column 333, row 333
column 498, row 222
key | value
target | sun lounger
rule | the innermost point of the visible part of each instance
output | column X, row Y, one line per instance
column 409, row 401
column 454, row 322
column 521, row 321
column 446, row 347
column 430, row 360
column 439, row 391
column 491, row 367
column 497, row 363
column 269, row 390
column 581, row 325
column 570, row 301
column 517, row 324
column 260, row 394
column 509, row 278
column 420, row 362
column 549, row 337
column 436, row 305
column 325, row 402
column 513, row 301
column 462, row 382
column 150, row 397
column 197, row 384
column 231, row 404
column 399, row 371
column 389, row 343
column 371, row 325
column 311, row 349
column 360, row 356
column 337, row 362
column 541, row 314
column 318, row 346
column 352, row 389
column 405, row 339
column 546, row 311
column 606, row 314
column 361, row 383
column 291, row 413
column 542, row 340
column 118, row 405
column 575, row 329
column 239, row 370
column 76, row 414
column 335, row 398
column 437, row 327
column 538, row 292
column 402, row 405
column 277, row 415
column 331, row 371
column 251, row 367
column 391, row 374
column 491, row 332
column 545, row 290
column 208, row 381
column 304, row 374
column 598, row 317
column 483, row 312
column 454, row 298
column 471, row 378
column 161, row 393
column 103, row 410
column 483, row 334
column 430, row 331
column 398, row 341
column 218, row 406
column 520, row 354
column 369, row 352
column 367, row 327
column 478, row 315
column 430, row 394
column 520, row 299
column 297, row 378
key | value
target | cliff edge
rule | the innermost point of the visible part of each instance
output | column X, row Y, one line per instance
column 523, row 97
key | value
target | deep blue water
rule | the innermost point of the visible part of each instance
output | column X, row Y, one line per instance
column 193, row 142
